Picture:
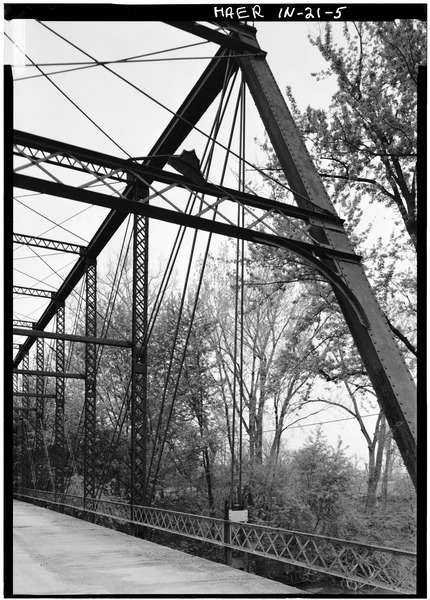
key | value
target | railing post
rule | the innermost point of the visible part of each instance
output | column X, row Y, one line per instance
column 238, row 515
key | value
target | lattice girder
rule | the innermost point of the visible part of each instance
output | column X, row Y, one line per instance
column 90, row 382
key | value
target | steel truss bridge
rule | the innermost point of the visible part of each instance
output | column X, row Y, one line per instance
column 143, row 188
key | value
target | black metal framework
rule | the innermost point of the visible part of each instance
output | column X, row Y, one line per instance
column 15, row 385
column 17, row 446
column 49, row 373
column 37, row 333
column 24, row 420
column 139, row 356
column 39, row 453
column 211, row 82
column 25, row 291
column 314, row 253
column 34, row 394
column 328, row 249
column 59, row 441
column 38, row 242
column 27, row 476
column 90, row 406
column 21, row 323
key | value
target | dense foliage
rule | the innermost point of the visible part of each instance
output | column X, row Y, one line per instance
column 367, row 140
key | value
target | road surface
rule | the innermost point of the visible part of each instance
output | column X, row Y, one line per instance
column 61, row 555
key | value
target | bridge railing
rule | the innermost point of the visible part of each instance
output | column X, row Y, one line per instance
column 386, row 568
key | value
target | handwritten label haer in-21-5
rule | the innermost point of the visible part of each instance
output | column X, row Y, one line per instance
column 244, row 13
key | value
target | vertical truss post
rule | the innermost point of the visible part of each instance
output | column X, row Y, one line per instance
column 39, row 452
column 385, row 365
column 59, row 441
column 25, row 381
column 29, row 474
column 24, row 418
column 17, row 438
column 90, row 381
column 139, row 355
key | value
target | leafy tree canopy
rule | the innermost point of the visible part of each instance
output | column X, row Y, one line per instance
column 368, row 137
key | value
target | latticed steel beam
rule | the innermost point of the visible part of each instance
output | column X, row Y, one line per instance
column 39, row 453
column 17, row 440
column 90, row 380
column 33, row 394
column 59, row 439
column 49, row 373
column 15, row 384
column 38, row 242
column 71, row 338
column 25, row 387
column 209, row 85
column 21, row 323
column 26, row 291
column 139, row 359
column 386, row 367
column 25, row 381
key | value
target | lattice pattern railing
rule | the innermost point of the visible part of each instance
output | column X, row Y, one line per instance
column 386, row 568
column 198, row 527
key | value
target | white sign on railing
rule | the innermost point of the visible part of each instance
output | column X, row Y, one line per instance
column 238, row 516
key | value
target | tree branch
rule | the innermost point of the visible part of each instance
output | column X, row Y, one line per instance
column 401, row 336
column 360, row 180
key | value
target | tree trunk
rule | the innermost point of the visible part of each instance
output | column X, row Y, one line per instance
column 274, row 450
column 376, row 452
column 197, row 404
column 371, row 480
column 208, row 477
column 252, row 430
column 387, row 468
column 260, row 412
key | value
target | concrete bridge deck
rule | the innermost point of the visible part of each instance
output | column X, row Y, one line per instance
column 55, row 554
